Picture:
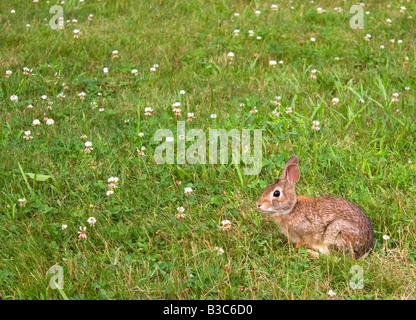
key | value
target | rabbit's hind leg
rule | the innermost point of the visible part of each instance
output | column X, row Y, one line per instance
column 341, row 236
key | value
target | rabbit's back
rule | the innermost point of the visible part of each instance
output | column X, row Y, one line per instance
column 328, row 223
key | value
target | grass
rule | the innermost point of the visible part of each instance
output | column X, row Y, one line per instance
column 364, row 152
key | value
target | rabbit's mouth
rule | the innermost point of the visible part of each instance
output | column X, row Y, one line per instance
column 271, row 210
column 265, row 209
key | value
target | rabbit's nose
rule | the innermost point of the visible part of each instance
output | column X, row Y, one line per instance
column 258, row 205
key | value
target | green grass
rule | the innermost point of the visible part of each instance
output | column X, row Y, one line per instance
column 138, row 249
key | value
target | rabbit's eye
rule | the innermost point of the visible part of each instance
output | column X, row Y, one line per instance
column 276, row 193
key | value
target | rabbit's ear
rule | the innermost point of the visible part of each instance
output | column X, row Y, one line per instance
column 293, row 173
column 292, row 161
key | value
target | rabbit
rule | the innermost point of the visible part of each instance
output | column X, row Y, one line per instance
column 321, row 225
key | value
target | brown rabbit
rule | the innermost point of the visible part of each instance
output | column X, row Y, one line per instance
column 321, row 224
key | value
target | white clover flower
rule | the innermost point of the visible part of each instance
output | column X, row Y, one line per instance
column 315, row 125
column 361, row 100
column 148, row 111
column 320, row 10
column 88, row 144
column 29, row 106
column 152, row 69
column 381, row 46
column 113, row 180
column 274, row 7
column 281, row 62
column 388, row 20
column 27, row 71
column 219, row 251
column 367, row 37
column 182, row 92
column 386, row 237
column 91, row 221
column 335, row 101
column 272, row 62
column 82, row 233
column 141, row 134
column 331, row 293
column 109, row 192
column 313, row 39
column 12, row 11
column 180, row 214
column 230, row 55
column 50, row 122
column 36, row 122
column 134, row 71
column 213, row 116
column 27, row 135
column 257, row 12
column 276, row 113
column 64, row 226
column 180, row 209
column 188, row 191
column 226, row 225
column 289, row 110
column 399, row 41
column 14, row 98
column 76, row 33
column 8, row 73
column 236, row 32
column 105, row 70
column 60, row 96
column 258, row 37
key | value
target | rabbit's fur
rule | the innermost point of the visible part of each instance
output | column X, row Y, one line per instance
column 322, row 224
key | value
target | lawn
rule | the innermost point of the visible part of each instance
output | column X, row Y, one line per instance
column 94, row 90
